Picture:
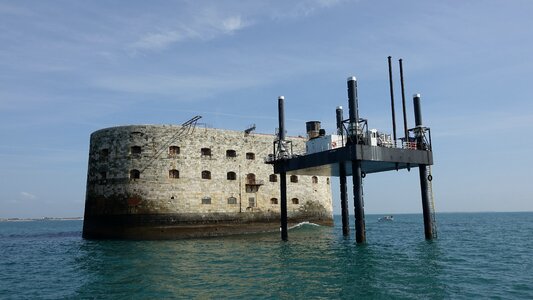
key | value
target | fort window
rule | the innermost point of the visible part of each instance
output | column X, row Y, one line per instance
column 231, row 153
column 232, row 200
column 231, row 176
column 314, row 179
column 251, row 202
column 135, row 174
column 103, row 175
column 273, row 178
column 206, row 200
column 104, row 153
column 135, row 150
column 327, row 180
column 295, row 201
column 173, row 173
column 206, row 175
column 294, row 178
column 206, row 152
column 274, row 201
column 173, row 150
column 250, row 155
column 250, row 178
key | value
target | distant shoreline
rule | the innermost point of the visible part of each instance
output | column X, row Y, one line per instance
column 39, row 219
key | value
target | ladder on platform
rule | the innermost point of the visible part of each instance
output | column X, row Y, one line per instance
column 185, row 128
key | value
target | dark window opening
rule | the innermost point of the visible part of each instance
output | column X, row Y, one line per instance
column 103, row 175
column 274, row 201
column 231, row 153
column 250, row 178
column 206, row 151
column 295, row 201
column 206, row 175
column 314, row 179
column 232, row 200
column 294, row 178
column 327, row 180
column 231, row 176
column 104, row 153
column 250, row 155
column 251, row 202
column 173, row 173
column 135, row 174
column 273, row 178
column 173, row 150
column 206, row 200
column 135, row 150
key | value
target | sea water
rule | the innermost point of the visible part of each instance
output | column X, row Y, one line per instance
column 476, row 255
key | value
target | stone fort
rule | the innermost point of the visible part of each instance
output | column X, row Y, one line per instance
column 170, row 181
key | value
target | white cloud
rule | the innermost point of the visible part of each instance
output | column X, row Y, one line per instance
column 297, row 9
column 204, row 27
column 27, row 196
column 328, row 3
column 158, row 40
column 184, row 87
column 232, row 24
column 163, row 39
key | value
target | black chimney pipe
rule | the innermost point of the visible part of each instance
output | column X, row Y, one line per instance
column 353, row 110
column 339, row 116
column 281, row 116
column 406, row 133
column 392, row 100
column 418, row 110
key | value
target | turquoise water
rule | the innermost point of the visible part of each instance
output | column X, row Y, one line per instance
column 481, row 255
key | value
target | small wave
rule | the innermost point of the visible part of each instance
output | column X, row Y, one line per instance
column 304, row 224
column 44, row 235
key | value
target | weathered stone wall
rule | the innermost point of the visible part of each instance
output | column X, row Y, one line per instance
column 114, row 156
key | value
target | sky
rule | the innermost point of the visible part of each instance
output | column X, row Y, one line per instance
column 69, row 68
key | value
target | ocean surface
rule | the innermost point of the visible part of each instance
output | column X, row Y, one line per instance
column 477, row 255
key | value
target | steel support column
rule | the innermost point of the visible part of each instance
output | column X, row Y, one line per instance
column 423, row 171
column 344, row 200
column 359, row 210
column 428, row 227
column 283, row 204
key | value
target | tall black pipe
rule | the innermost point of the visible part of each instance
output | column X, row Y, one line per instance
column 359, row 210
column 281, row 118
column 353, row 110
column 338, row 114
column 405, row 132
column 392, row 100
column 344, row 199
column 418, row 110
column 423, row 171
column 342, row 178
column 283, row 174
column 283, row 196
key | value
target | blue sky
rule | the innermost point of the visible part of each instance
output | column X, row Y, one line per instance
column 68, row 68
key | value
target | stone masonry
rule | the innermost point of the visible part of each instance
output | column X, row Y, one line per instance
column 165, row 176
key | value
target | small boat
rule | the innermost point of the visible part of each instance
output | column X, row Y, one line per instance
column 386, row 219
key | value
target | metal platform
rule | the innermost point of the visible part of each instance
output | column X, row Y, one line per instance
column 373, row 159
column 361, row 153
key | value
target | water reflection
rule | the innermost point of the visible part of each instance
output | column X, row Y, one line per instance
column 316, row 262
